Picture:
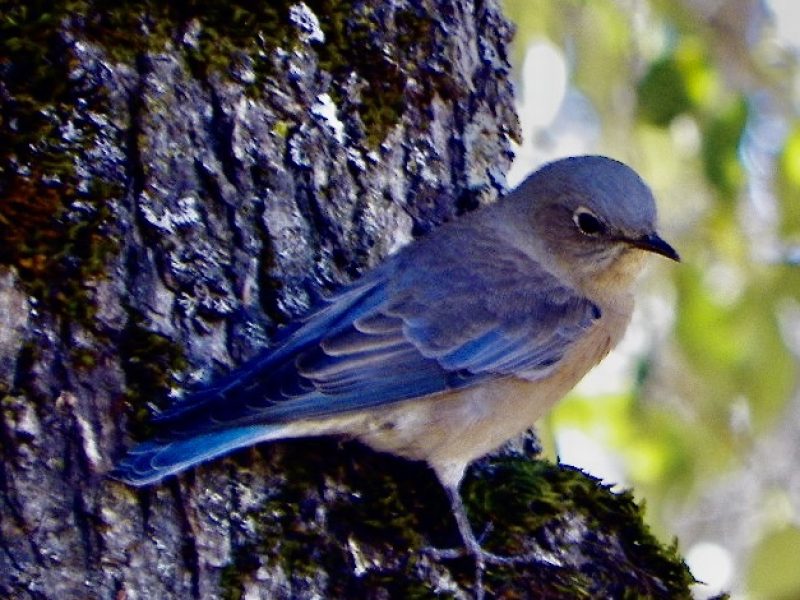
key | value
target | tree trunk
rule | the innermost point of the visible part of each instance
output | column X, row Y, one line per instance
column 180, row 179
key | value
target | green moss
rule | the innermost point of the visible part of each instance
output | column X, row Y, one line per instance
column 520, row 498
column 59, row 250
column 234, row 575
column 150, row 361
column 334, row 501
column 332, row 496
column 55, row 248
column 282, row 128
column 242, row 36
column 83, row 358
column 352, row 45
column 231, row 583
column 56, row 255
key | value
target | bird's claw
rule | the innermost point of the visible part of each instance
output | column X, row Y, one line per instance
column 482, row 558
column 472, row 545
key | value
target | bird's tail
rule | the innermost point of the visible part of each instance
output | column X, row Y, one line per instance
column 153, row 460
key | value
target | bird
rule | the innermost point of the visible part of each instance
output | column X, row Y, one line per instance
column 455, row 344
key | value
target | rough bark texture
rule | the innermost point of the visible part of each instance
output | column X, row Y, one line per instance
column 178, row 179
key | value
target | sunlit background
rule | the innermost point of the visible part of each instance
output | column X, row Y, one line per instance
column 699, row 411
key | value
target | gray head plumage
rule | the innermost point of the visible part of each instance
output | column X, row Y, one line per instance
column 594, row 202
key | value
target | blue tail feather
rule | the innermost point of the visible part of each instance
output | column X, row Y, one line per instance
column 150, row 461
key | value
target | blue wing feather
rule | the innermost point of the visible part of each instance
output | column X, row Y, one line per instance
column 411, row 328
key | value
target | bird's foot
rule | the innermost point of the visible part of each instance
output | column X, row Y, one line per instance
column 481, row 556
column 482, row 559
column 472, row 546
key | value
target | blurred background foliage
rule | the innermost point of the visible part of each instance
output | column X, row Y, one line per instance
column 699, row 411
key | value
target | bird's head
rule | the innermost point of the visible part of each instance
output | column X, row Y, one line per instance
column 595, row 218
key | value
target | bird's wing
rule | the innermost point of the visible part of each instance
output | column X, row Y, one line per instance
column 424, row 323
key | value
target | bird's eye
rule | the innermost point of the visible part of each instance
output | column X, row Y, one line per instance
column 587, row 222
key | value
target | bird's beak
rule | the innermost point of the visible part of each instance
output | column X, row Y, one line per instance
column 653, row 243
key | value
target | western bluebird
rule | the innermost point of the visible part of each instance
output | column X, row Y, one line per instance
column 454, row 345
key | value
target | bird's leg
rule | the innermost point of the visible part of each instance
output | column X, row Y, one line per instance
column 472, row 546
column 471, row 543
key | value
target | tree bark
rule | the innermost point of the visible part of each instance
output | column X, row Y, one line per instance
column 177, row 182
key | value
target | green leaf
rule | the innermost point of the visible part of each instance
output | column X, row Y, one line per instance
column 773, row 570
column 788, row 183
column 662, row 93
column 721, row 138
